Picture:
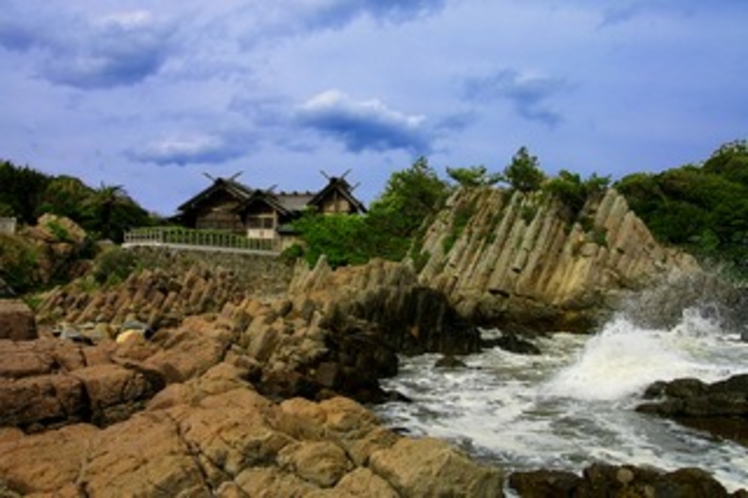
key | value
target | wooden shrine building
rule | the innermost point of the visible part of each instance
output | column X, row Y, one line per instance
column 263, row 214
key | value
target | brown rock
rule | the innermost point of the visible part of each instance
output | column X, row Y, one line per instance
column 269, row 482
column 363, row 483
column 113, row 392
column 429, row 467
column 46, row 462
column 143, row 457
column 17, row 321
column 191, row 350
column 320, row 462
column 46, row 399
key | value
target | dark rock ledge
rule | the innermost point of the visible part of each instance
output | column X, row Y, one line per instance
column 720, row 408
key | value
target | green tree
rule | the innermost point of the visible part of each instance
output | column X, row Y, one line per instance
column 110, row 212
column 524, row 173
column 703, row 209
column 65, row 196
column 340, row 237
column 410, row 197
column 20, row 191
column 574, row 192
column 473, row 176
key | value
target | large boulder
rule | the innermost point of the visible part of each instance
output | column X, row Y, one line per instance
column 62, row 248
column 17, row 321
column 430, row 467
column 720, row 408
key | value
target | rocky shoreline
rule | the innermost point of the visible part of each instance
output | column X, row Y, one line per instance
column 259, row 399
column 250, row 377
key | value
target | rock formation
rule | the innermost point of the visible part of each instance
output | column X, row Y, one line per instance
column 519, row 259
column 620, row 481
column 211, row 434
column 720, row 408
column 17, row 321
column 170, row 287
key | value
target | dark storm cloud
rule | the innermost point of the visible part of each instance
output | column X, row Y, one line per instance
column 528, row 95
column 363, row 125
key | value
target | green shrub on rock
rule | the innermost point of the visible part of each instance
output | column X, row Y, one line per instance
column 114, row 266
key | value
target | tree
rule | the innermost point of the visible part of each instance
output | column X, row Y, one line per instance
column 20, row 191
column 574, row 192
column 473, row 176
column 524, row 173
column 703, row 209
column 340, row 237
column 102, row 202
column 410, row 197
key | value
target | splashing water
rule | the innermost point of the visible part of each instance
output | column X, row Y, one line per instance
column 574, row 405
column 623, row 360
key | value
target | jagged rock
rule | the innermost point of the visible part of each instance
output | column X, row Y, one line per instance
column 17, row 321
column 171, row 287
column 720, row 408
column 620, row 481
column 513, row 259
column 60, row 243
column 406, row 316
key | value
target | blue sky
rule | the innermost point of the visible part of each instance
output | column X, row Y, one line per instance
column 152, row 95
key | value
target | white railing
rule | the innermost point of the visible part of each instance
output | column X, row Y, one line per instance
column 205, row 240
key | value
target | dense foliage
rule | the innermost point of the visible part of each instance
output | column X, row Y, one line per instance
column 574, row 192
column 473, row 176
column 410, row 198
column 105, row 212
column 703, row 209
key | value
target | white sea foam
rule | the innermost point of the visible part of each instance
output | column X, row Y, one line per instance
column 573, row 405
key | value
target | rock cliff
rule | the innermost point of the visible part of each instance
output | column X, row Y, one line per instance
column 508, row 258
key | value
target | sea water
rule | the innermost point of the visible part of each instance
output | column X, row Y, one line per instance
column 574, row 404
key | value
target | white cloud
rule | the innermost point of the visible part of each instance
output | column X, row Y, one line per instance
column 364, row 125
column 188, row 149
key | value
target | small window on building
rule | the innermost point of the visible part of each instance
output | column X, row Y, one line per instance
column 262, row 222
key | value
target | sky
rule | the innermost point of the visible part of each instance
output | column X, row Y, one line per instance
column 158, row 97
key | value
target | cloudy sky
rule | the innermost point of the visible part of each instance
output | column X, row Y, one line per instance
column 152, row 95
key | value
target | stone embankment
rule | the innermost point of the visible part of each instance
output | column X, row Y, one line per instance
column 514, row 259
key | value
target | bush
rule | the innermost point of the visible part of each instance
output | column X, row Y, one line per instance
column 574, row 192
column 18, row 261
column 113, row 266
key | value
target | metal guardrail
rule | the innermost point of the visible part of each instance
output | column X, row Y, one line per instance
column 199, row 240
